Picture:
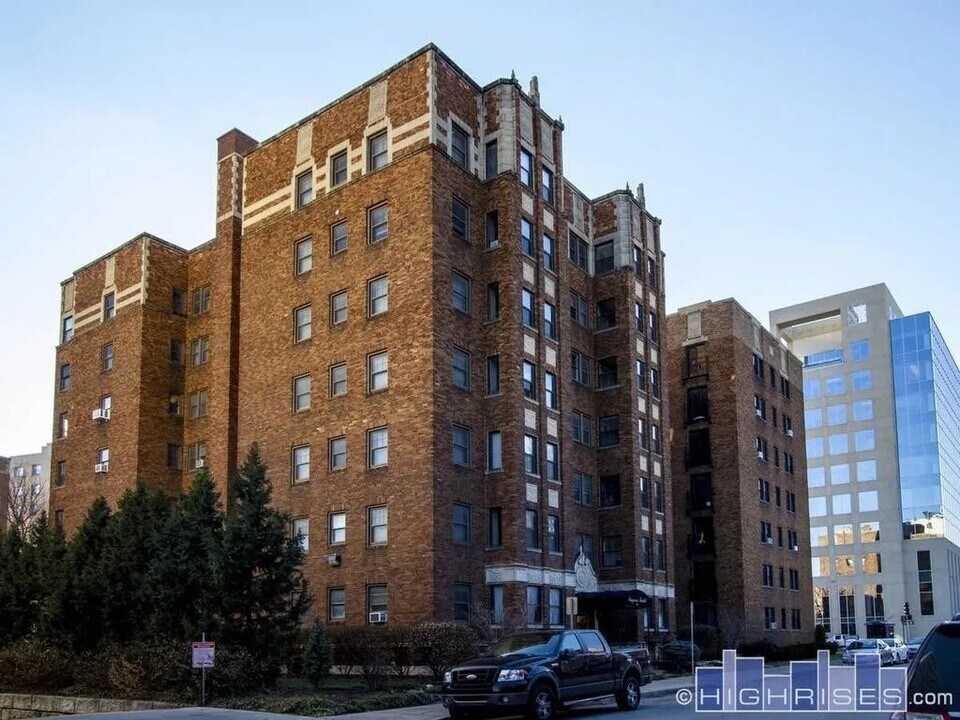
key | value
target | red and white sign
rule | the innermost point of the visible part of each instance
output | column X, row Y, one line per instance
column 203, row 654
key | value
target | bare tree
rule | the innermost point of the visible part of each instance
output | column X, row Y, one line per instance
column 22, row 498
column 732, row 626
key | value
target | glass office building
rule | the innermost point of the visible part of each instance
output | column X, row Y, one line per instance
column 927, row 405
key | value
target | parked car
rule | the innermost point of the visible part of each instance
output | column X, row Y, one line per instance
column 933, row 683
column 913, row 645
column 843, row 640
column 898, row 648
column 868, row 647
column 539, row 673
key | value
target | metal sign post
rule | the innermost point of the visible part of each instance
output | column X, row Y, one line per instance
column 203, row 657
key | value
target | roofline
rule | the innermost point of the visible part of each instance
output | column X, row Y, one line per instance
column 138, row 238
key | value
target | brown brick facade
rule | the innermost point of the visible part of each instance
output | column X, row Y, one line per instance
column 721, row 408
column 440, row 558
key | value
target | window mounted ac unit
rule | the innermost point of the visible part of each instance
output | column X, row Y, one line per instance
column 759, row 413
column 760, row 455
column 101, row 468
column 773, row 626
column 378, row 617
column 790, row 432
column 101, row 414
column 201, row 463
column 334, row 561
column 768, row 541
column 795, row 548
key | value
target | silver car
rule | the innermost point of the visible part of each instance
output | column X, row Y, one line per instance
column 868, row 647
column 899, row 649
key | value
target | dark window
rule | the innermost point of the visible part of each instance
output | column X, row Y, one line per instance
column 106, row 358
column 200, row 300
column 526, row 168
column 338, row 168
column 173, row 457
column 696, row 361
column 547, row 185
column 65, row 377
column 579, row 250
column 526, row 237
column 925, row 579
column 582, row 489
column 609, row 490
column 461, row 293
column 641, row 375
column 637, row 256
column 460, row 220
column 61, row 473
column 758, row 366
column 661, row 555
column 549, row 321
column 655, row 382
column 493, row 375
column 532, row 530
column 697, row 408
column 553, row 533
column 338, row 234
column 528, row 313
column 461, row 523
column 606, row 314
column 304, row 188
column 585, row 544
column 603, row 258
column 494, row 527
column 581, row 427
column 377, row 223
column 578, row 309
column 549, row 252
column 608, row 431
column 377, row 151
column 491, row 159
column 654, row 328
column 607, row 373
column 493, row 301
column 658, row 496
column 459, row 146
column 461, row 601
column 178, row 302
column 652, row 273
column 645, row 492
column 698, row 447
column 529, row 380
column 611, row 551
column 493, row 229
column 580, row 366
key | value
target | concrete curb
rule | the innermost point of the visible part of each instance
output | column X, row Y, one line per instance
column 663, row 692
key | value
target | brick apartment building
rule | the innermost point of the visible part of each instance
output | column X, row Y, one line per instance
column 448, row 354
column 741, row 529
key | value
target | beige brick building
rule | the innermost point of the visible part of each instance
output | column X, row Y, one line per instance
column 448, row 354
column 739, row 467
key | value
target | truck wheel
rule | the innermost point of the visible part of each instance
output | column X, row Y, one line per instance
column 542, row 704
column 628, row 696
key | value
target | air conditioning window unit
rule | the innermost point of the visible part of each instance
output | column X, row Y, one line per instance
column 201, row 462
column 760, row 454
column 333, row 560
column 101, row 468
column 773, row 626
column 790, row 433
column 101, row 414
column 378, row 617
column 759, row 413
column 768, row 541
column 795, row 548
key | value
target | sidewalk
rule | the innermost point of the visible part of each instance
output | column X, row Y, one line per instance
column 656, row 689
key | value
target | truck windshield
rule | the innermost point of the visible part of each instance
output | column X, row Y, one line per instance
column 527, row 644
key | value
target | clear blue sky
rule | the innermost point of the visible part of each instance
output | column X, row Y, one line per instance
column 792, row 149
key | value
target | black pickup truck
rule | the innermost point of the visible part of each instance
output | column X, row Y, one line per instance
column 538, row 673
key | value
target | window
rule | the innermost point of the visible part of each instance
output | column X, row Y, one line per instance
column 609, row 490
column 811, row 389
column 653, row 329
column 655, row 382
column 338, row 528
column 652, row 273
column 580, row 365
column 461, row 368
column 553, row 533
column 608, row 431
column 861, row 380
column 461, row 445
column 531, row 455
column 862, row 410
column 581, row 426
column 841, row 504
column 767, row 575
column 109, row 306
column 864, row 440
column 582, row 489
column 378, row 371
column 550, row 394
column 925, row 582
column 196, row 456
column 603, row 258
column 836, row 414
column 532, row 530
column 606, row 314
column 526, row 238
column 338, row 236
column 813, row 419
column 697, row 406
column 835, row 385
column 839, row 474
column 377, row 525
column 646, row 552
column 534, row 605
column 377, row 151
column 61, row 479
column 860, row 350
column 494, row 451
column 338, row 169
column 338, row 453
column 377, row 447
column 578, row 309
column 337, row 606
column 198, row 404
column 819, row 537
column 460, row 220
column 377, row 224
column 818, row 506
column 869, row 501
column 637, row 256
column 638, row 318
column 338, row 380
column 376, row 599
column 461, row 601
column 546, row 180
column 493, row 375
column 461, row 523
column 494, row 527
column 459, row 146
column 338, row 308
column 585, row 545
column 301, row 463
column 526, row 168
column 814, row 447
column 304, row 188
column 549, row 321
column 838, row 444
column 869, row 532
column 641, row 371
column 490, row 155
column 178, row 302
column 200, row 351
column 493, row 229
column 64, row 377
column 301, row 533
column 303, row 256
column 642, row 435
column 766, row 533
column 461, row 293
column 757, row 366
column 762, row 449
column 176, row 352
column 872, row 563
column 873, row 603
column 302, row 323
column 528, row 314
column 529, row 380
column 611, row 556
column 556, row 607
column 174, row 406
column 106, row 357
column 579, row 250
column 549, row 253
column 845, row 565
column 66, row 333
column 493, row 301
column 867, row 470
column 658, row 495
column 848, row 612
column 173, row 457
column 843, row 534
column 764, row 486
column 377, row 297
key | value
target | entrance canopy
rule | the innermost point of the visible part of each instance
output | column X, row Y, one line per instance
column 614, row 600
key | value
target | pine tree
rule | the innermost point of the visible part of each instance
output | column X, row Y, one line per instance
column 264, row 593
column 83, row 620
column 45, row 562
column 16, row 610
column 318, row 658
